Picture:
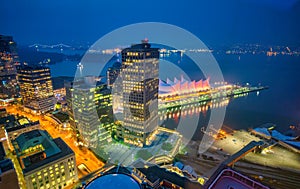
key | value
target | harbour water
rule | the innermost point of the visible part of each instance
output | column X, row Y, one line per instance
column 280, row 104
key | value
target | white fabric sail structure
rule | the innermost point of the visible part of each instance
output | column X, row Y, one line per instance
column 182, row 86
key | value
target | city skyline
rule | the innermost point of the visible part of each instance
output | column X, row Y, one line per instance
column 150, row 94
column 104, row 136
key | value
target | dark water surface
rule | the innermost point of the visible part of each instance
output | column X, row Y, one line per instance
column 280, row 104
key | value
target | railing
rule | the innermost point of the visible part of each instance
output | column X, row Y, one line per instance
column 237, row 177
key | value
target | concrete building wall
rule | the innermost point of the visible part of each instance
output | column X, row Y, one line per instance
column 55, row 175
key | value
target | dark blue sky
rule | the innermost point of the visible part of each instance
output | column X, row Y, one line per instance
column 215, row 22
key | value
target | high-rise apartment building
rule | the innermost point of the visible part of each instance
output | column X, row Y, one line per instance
column 140, row 65
column 8, row 60
column 36, row 88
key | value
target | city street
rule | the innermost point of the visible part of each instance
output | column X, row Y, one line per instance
column 83, row 155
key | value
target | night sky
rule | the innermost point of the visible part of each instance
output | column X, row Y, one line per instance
column 215, row 22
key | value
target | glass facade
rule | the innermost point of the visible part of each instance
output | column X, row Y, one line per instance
column 140, row 65
column 36, row 87
column 8, row 60
column 91, row 104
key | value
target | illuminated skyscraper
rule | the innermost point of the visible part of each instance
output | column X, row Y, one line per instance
column 114, row 82
column 8, row 60
column 140, row 65
column 89, row 104
column 36, row 88
column 69, row 98
column 112, row 73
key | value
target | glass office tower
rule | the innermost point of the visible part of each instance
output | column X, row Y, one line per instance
column 140, row 65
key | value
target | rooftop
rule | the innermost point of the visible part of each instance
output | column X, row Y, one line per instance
column 7, row 120
column 11, row 123
column 33, row 138
column 39, row 142
column 58, row 82
column 144, row 46
column 2, row 152
column 6, row 165
column 112, row 181
column 2, row 110
column 279, row 136
column 179, row 165
column 87, row 83
column 231, row 179
column 23, row 121
column 65, row 151
column 153, row 172
column 32, row 67
column 117, row 170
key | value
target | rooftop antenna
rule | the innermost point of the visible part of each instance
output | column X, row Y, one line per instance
column 80, row 67
column 146, row 40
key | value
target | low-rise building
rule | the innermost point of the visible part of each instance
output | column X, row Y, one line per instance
column 115, row 177
column 45, row 162
column 9, row 119
column 8, row 175
column 157, row 177
column 141, row 174
column 3, row 112
column 229, row 178
column 20, row 125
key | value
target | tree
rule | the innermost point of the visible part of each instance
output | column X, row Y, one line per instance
column 144, row 154
column 167, row 146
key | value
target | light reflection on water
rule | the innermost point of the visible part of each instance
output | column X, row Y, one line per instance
column 170, row 117
column 279, row 104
